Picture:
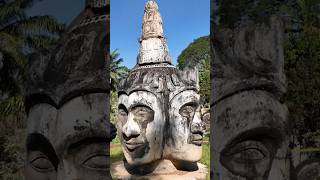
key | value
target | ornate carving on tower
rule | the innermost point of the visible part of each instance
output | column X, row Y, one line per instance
column 152, row 21
column 153, row 47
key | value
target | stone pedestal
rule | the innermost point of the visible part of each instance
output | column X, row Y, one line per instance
column 165, row 171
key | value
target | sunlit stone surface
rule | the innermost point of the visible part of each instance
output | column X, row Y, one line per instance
column 67, row 101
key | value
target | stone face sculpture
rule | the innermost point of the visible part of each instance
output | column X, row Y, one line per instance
column 158, row 107
column 250, row 124
column 67, row 101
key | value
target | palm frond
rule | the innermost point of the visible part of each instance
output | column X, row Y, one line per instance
column 40, row 41
column 36, row 25
column 12, row 105
column 12, row 46
column 10, row 12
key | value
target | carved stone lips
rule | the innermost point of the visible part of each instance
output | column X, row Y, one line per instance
column 133, row 145
column 196, row 139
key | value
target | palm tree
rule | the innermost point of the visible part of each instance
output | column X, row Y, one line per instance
column 117, row 71
column 20, row 35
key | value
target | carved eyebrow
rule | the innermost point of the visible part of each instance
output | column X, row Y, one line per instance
column 37, row 142
column 101, row 134
column 85, row 142
column 193, row 101
column 121, row 106
column 35, row 99
column 135, row 104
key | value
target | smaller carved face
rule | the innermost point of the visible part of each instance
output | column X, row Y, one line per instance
column 185, row 133
column 140, row 127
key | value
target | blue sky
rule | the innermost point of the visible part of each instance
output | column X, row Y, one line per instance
column 63, row 10
column 183, row 21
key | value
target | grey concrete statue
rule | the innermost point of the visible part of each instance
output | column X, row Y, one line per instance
column 159, row 113
column 250, row 124
column 67, row 101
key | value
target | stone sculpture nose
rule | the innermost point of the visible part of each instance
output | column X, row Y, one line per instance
column 196, row 124
column 131, row 128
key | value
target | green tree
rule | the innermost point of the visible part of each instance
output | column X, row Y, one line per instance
column 20, row 35
column 117, row 71
column 302, row 66
column 198, row 54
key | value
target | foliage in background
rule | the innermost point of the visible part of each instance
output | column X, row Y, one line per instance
column 232, row 12
column 20, row 36
column 12, row 153
column 302, row 65
column 198, row 54
column 117, row 71
column 114, row 107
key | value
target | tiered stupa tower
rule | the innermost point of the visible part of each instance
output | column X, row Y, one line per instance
column 152, row 131
column 153, row 47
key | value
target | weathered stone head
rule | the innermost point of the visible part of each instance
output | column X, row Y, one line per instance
column 67, row 101
column 185, row 128
column 250, row 124
column 141, row 125
column 158, row 107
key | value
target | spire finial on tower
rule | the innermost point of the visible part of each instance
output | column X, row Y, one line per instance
column 152, row 21
column 153, row 47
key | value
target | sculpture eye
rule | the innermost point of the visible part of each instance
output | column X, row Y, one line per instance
column 122, row 112
column 247, row 151
column 42, row 163
column 248, row 155
column 97, row 162
column 248, row 158
column 187, row 111
column 142, row 110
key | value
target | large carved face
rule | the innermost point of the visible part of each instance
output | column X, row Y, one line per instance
column 249, row 137
column 71, row 142
column 141, row 123
column 185, row 128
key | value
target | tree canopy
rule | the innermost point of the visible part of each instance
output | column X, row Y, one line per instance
column 198, row 54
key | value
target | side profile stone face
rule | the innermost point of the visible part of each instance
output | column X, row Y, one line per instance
column 249, row 123
column 67, row 101
column 159, row 111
